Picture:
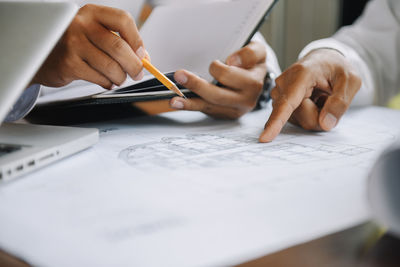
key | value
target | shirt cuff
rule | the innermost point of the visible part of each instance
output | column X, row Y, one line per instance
column 25, row 103
column 272, row 60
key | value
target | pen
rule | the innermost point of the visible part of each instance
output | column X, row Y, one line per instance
column 159, row 75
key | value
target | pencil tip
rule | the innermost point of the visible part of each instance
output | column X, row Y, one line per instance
column 178, row 92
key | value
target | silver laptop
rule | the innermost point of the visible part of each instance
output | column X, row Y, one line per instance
column 29, row 31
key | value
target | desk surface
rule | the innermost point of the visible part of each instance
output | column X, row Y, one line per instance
column 358, row 246
column 108, row 195
column 362, row 245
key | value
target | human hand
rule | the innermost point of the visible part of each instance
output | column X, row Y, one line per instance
column 313, row 93
column 242, row 78
column 89, row 50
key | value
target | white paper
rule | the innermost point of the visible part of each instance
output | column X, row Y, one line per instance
column 191, row 36
column 185, row 190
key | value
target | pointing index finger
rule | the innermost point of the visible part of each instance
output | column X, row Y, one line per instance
column 283, row 107
column 281, row 113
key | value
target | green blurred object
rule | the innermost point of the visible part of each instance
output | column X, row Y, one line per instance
column 395, row 102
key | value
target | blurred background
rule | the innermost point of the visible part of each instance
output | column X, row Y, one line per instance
column 294, row 23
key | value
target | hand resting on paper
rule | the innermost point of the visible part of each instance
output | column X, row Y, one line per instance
column 89, row 50
column 242, row 77
column 313, row 93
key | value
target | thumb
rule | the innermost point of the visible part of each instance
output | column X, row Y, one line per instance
column 248, row 56
column 344, row 90
column 334, row 108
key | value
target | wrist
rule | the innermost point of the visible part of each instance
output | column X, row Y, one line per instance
column 322, row 62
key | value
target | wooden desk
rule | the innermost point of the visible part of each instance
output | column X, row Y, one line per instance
column 358, row 246
column 10, row 261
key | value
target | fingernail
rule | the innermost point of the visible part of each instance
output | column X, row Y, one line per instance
column 235, row 61
column 177, row 104
column 181, row 78
column 330, row 121
column 147, row 55
column 141, row 52
column 139, row 76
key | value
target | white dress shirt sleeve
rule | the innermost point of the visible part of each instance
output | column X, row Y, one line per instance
column 272, row 60
column 372, row 45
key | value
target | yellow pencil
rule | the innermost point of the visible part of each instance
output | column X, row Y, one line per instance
column 159, row 75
